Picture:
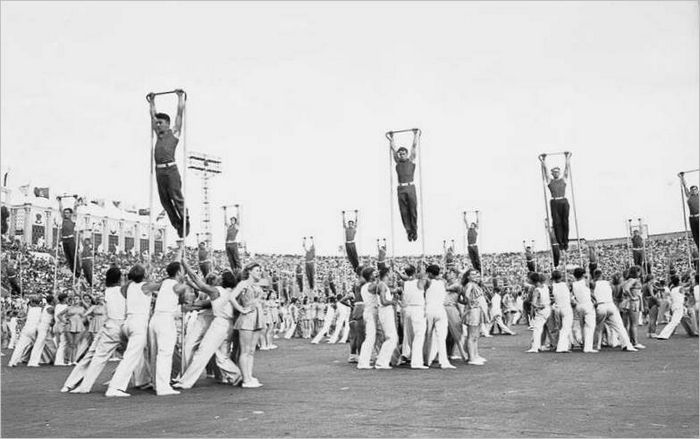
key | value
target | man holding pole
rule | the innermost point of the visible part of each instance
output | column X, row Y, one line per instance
column 691, row 196
column 558, row 204
column 68, row 235
column 350, row 248
column 167, row 175
column 529, row 258
column 406, row 190
column 310, row 262
column 637, row 248
column 86, row 260
column 232, row 227
column 472, row 247
column 381, row 256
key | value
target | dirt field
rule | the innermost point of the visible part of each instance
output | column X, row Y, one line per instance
column 312, row 391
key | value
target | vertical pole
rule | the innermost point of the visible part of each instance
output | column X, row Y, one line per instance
column 55, row 266
column 630, row 245
column 391, row 204
column 420, row 194
column 150, row 200
column 645, row 261
column 76, row 233
column 546, row 209
column 685, row 225
column 183, row 360
column 92, row 269
column 573, row 201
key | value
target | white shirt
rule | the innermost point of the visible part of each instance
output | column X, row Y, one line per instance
column 435, row 295
column 496, row 305
column 33, row 317
column 582, row 294
column 677, row 299
column 115, row 304
column 221, row 306
column 696, row 293
column 561, row 294
column 603, row 292
column 412, row 296
column 542, row 297
column 45, row 319
column 137, row 303
column 167, row 300
column 370, row 300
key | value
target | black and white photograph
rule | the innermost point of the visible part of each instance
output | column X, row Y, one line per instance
column 372, row 219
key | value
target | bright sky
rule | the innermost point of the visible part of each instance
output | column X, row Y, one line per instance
column 296, row 97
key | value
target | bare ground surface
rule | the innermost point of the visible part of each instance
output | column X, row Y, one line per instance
column 311, row 391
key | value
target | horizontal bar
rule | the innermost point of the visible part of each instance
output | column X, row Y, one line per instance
column 690, row 172
column 557, row 153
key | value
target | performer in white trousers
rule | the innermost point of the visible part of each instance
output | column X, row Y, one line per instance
column 59, row 331
column 562, row 298
column 43, row 331
column 342, row 322
column 28, row 334
column 679, row 313
column 138, row 309
column 217, row 339
column 436, row 318
column 162, row 331
column 607, row 313
column 387, row 321
column 542, row 306
column 195, row 331
column 327, row 321
column 13, row 331
column 413, row 313
column 369, row 316
column 110, row 337
column 584, row 308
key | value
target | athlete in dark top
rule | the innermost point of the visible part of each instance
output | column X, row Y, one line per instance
column 592, row 256
column 68, row 235
column 86, row 259
column 350, row 228
column 638, row 249
column 204, row 260
column 472, row 238
column 167, row 175
column 529, row 259
column 691, row 196
column 556, row 249
column 232, row 227
column 558, row 204
column 310, row 262
column 406, row 190
column 381, row 256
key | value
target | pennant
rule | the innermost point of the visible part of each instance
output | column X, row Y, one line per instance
column 41, row 192
column 144, row 212
column 117, row 204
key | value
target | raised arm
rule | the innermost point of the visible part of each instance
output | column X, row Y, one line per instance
column 464, row 218
column 345, row 226
column 416, row 137
column 226, row 222
column 392, row 146
column 356, row 218
column 567, row 156
column 685, row 185
column 177, row 127
column 545, row 171
column 198, row 283
column 151, row 98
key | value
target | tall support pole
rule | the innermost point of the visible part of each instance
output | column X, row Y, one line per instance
column 630, row 252
column 546, row 209
column 685, row 226
column 573, row 201
column 391, row 205
column 78, row 239
column 92, row 266
column 420, row 192
column 151, row 244
column 645, row 260
column 184, row 178
column 55, row 266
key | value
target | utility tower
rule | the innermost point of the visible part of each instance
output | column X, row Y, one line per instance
column 206, row 167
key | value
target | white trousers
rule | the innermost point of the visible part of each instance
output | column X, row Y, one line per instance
column 42, row 332
column 436, row 333
column 541, row 316
column 194, row 335
column 217, row 342
column 13, row 333
column 162, row 335
column 342, row 322
column 587, row 318
column 369, row 315
column 607, row 314
column 413, row 334
column 327, row 322
column 391, row 337
column 61, row 343
column 111, row 336
column 676, row 318
column 566, row 314
column 26, row 339
column 136, row 329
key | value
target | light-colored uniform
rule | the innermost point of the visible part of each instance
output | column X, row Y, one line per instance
column 43, row 330
column 586, row 312
column 13, row 332
column 543, row 310
column 195, row 331
column 677, row 315
column 387, row 321
column 59, row 333
column 562, row 298
column 162, row 335
column 27, row 336
column 138, row 307
column 327, row 322
column 436, row 322
column 607, row 313
column 217, row 342
column 342, row 323
column 413, row 312
column 108, row 339
column 370, row 316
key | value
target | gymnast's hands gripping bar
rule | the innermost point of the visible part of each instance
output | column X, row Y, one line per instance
column 389, row 134
column 151, row 95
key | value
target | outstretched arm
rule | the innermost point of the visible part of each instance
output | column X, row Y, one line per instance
column 545, row 171
column 151, row 98
column 226, row 223
column 356, row 217
column 567, row 154
column 685, row 185
column 345, row 226
column 464, row 218
column 177, row 127
column 198, row 283
column 392, row 146
column 416, row 137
